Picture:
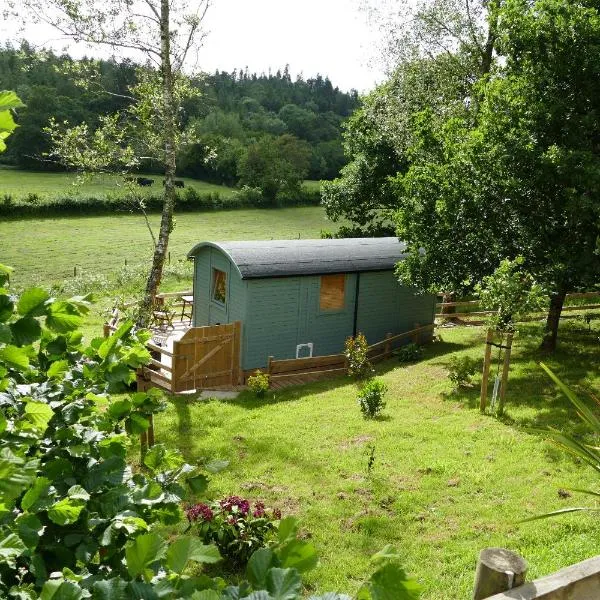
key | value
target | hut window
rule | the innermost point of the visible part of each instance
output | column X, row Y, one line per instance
column 219, row 283
column 333, row 288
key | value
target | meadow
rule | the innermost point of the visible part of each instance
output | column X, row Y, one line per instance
column 46, row 250
column 446, row 480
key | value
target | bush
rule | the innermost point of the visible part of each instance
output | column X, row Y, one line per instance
column 409, row 353
column 235, row 526
column 259, row 383
column 461, row 370
column 356, row 351
column 370, row 398
column 250, row 196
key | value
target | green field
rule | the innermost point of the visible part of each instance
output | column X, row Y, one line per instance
column 446, row 482
column 19, row 184
column 47, row 250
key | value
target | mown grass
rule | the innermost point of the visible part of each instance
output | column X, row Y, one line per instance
column 46, row 250
column 446, row 482
column 21, row 183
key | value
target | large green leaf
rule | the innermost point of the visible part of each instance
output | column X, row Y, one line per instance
column 198, row 483
column 39, row 414
column 159, row 458
column 143, row 552
column 59, row 589
column 390, row 583
column 299, row 555
column 11, row 546
column 110, row 589
column 5, row 334
column 66, row 511
column 35, row 493
column 30, row 529
column 57, row 369
column 206, row 595
column 284, row 584
column 16, row 474
column 9, row 100
column 4, row 274
column 32, row 302
column 25, row 331
column 14, row 357
column 258, row 567
column 190, row 549
column 63, row 317
column 6, row 308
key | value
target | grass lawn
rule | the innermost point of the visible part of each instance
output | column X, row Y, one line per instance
column 446, row 482
column 44, row 250
column 20, row 183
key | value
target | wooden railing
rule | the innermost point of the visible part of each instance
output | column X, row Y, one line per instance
column 298, row 370
column 484, row 313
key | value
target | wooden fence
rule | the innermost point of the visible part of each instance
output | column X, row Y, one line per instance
column 296, row 371
column 501, row 575
column 484, row 313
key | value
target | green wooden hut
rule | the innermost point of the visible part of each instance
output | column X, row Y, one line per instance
column 299, row 298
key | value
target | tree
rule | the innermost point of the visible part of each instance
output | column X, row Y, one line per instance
column 276, row 166
column 524, row 180
column 163, row 32
column 441, row 50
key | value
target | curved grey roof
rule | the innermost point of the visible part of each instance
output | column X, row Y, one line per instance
column 282, row 258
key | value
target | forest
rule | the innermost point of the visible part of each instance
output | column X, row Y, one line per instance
column 236, row 118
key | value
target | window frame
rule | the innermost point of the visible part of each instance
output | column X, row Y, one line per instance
column 344, row 306
column 215, row 270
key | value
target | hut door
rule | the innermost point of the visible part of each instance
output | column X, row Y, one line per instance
column 305, row 334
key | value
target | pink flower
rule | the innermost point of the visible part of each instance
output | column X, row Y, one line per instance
column 259, row 510
column 276, row 513
column 235, row 502
column 199, row 511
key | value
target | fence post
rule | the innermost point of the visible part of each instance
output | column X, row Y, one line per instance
column 417, row 334
column 106, row 330
column 388, row 345
column 270, row 365
column 498, row 570
column 505, row 367
column 489, row 338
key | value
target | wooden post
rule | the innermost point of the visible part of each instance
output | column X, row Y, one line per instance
column 106, row 330
column 416, row 338
column 143, row 446
column 388, row 345
column 505, row 367
column 269, row 365
column 498, row 570
column 489, row 338
column 151, row 431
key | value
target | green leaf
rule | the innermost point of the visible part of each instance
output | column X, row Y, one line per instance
column 187, row 549
column 39, row 489
column 6, row 308
column 8, row 101
column 391, row 583
column 299, row 555
column 11, row 547
column 66, row 511
column 63, row 317
column 110, row 589
column 142, row 552
column 206, row 595
column 4, row 274
column 16, row 474
column 118, row 409
column 32, row 302
column 386, row 553
column 159, row 458
column 288, row 530
column 25, row 331
column 59, row 589
column 284, row 584
column 14, row 357
column 198, row 483
column 39, row 414
column 30, row 529
column 258, row 566
column 5, row 334
column 216, row 466
column 57, row 369
column 78, row 493
column 136, row 424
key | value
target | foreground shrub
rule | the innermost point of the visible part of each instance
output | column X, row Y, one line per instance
column 235, row 526
column 409, row 353
column 356, row 350
column 370, row 398
column 259, row 383
column 462, row 369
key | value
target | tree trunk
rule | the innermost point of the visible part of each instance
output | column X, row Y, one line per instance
column 488, row 49
column 166, row 222
column 550, row 335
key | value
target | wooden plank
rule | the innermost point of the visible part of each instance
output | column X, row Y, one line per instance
column 461, row 303
column 295, row 364
column 156, row 348
column 214, row 338
column 307, row 374
column 157, row 363
column 582, row 295
column 482, row 313
column 174, row 294
column 196, row 378
column 582, row 307
column 203, row 360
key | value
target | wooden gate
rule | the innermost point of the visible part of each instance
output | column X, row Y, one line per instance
column 207, row 358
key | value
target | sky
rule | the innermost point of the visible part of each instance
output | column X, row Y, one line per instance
column 328, row 37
